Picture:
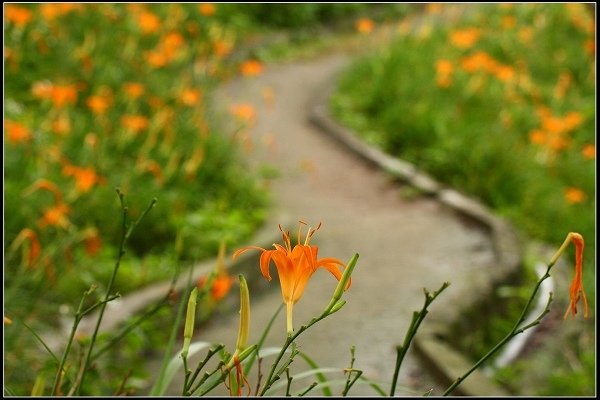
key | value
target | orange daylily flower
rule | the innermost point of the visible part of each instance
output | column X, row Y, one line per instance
column 133, row 89
column 99, row 103
column 222, row 48
column 364, row 25
column 35, row 248
column 223, row 281
column 190, row 97
column 574, row 195
column 52, row 11
column 134, row 123
column 576, row 291
column 16, row 132
column 207, row 9
column 85, row 178
column 589, row 151
column 294, row 266
column 56, row 216
column 465, row 38
column 251, row 68
column 19, row 16
column 92, row 242
column 244, row 112
column 220, row 287
column 148, row 22
column 62, row 95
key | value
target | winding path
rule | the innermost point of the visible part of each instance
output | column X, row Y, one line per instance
column 404, row 245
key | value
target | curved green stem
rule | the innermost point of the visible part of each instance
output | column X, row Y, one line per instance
column 513, row 332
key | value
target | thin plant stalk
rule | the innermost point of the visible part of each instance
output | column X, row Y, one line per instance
column 126, row 233
column 417, row 318
column 513, row 332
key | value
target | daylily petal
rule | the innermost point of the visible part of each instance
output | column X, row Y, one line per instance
column 243, row 249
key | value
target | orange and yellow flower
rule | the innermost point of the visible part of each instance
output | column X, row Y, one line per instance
column 576, row 292
column 85, row 178
column 589, row 151
column 133, row 89
column 134, row 122
column 16, row 132
column 251, row 68
column 364, row 25
column 207, row 9
column 465, row 38
column 294, row 266
column 574, row 195
column 19, row 16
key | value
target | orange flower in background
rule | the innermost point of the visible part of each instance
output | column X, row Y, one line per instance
column 433, row 8
column 504, row 72
column 572, row 120
column 35, row 248
column 46, row 185
column 509, row 21
column 19, row 16
column 244, row 112
column 41, row 89
column 444, row 69
column 190, row 97
column 85, row 178
column 62, row 95
column 16, row 132
column 99, row 103
column 134, row 123
column 525, row 35
column 148, row 22
column 156, row 59
column 221, row 48
column 364, row 25
column 207, row 9
column 465, row 38
column 51, row 11
column 478, row 61
column 133, row 89
column 55, row 216
column 538, row 137
column 294, row 266
column 61, row 125
column 589, row 151
column 251, row 68
column 222, row 282
column 92, row 242
column 574, row 195
column 220, row 287
column 171, row 42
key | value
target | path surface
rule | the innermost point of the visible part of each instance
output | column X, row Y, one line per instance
column 404, row 245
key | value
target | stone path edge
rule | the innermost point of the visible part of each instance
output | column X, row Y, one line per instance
column 445, row 362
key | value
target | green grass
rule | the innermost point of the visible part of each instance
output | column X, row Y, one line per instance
column 499, row 104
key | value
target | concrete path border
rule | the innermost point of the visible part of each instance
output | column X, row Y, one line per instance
column 445, row 362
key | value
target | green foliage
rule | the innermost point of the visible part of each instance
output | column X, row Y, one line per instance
column 474, row 126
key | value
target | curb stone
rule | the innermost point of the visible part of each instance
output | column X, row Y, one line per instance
column 439, row 356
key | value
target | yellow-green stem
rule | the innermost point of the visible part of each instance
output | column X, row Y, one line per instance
column 290, row 326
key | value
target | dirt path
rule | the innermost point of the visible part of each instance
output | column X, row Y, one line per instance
column 404, row 245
